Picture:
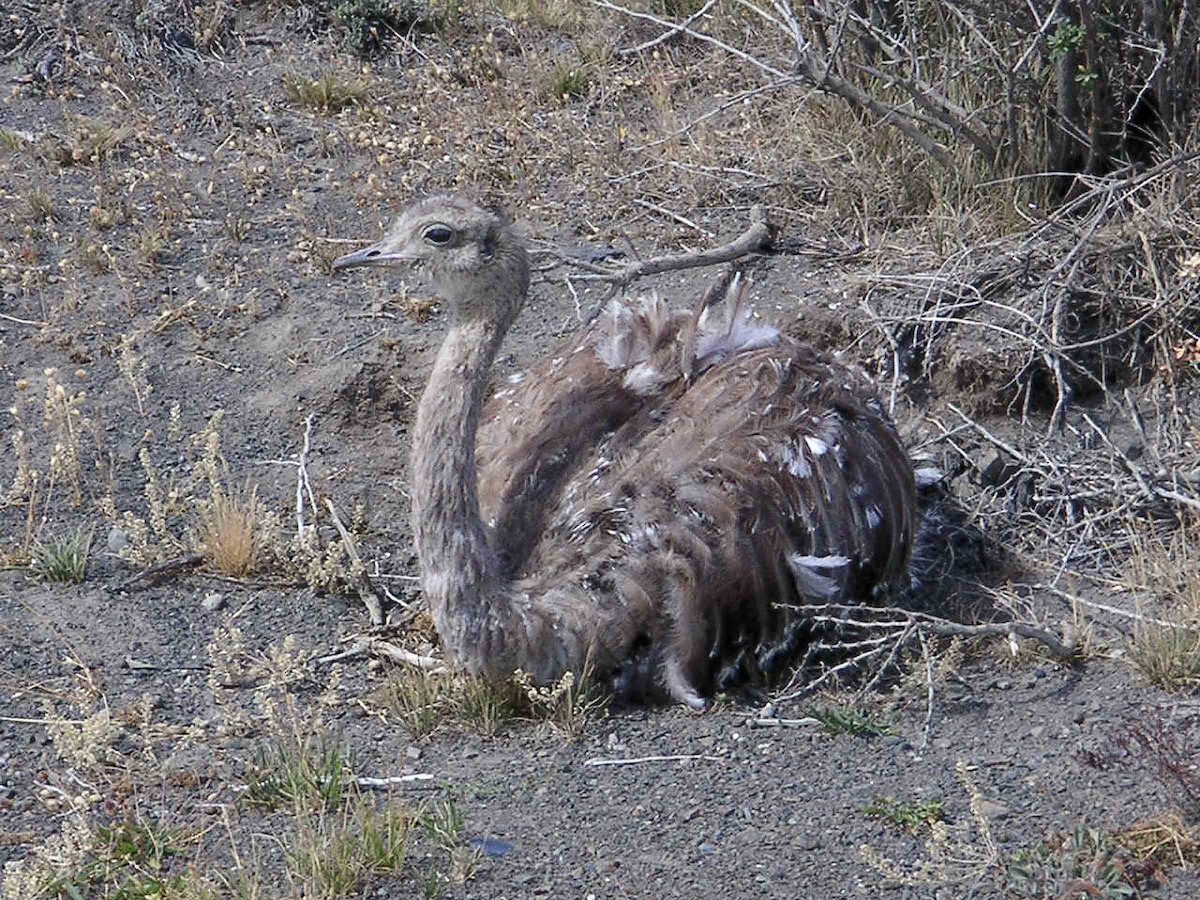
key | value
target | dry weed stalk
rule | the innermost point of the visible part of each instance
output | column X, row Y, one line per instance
column 957, row 854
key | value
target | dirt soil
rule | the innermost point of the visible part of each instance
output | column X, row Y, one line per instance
column 173, row 254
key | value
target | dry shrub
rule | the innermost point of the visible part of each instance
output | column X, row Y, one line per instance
column 1165, row 840
column 1165, row 656
column 230, row 534
column 1166, row 564
column 327, row 94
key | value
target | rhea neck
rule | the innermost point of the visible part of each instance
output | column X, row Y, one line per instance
column 460, row 570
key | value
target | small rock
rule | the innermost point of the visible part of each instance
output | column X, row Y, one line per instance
column 213, row 601
column 413, row 752
column 707, row 849
column 1037, row 731
column 990, row 809
column 118, row 540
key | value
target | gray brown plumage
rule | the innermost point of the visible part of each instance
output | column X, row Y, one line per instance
column 654, row 495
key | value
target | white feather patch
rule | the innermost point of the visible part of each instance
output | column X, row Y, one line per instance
column 811, row 582
column 816, row 445
column 928, row 476
column 644, row 380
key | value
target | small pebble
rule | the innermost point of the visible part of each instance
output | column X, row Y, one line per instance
column 118, row 540
column 213, row 601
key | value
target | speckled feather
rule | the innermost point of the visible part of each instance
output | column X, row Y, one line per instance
column 694, row 514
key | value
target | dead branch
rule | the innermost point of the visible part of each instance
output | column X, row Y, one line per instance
column 303, row 485
column 757, row 238
column 364, row 781
column 668, row 35
column 366, row 645
column 161, row 570
column 864, row 634
column 639, row 760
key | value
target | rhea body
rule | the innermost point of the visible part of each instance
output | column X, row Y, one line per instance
column 654, row 497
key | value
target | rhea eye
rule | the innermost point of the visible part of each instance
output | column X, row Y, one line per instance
column 439, row 235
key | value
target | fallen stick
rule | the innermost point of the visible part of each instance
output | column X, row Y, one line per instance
column 302, row 482
column 36, row 324
column 637, row 760
column 784, row 723
column 380, row 783
column 369, row 646
column 169, row 567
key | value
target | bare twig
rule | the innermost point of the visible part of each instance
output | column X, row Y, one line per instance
column 36, row 324
column 757, row 238
column 638, row 760
column 667, row 35
column 302, row 483
column 162, row 570
column 784, row 723
column 365, row 645
column 364, row 781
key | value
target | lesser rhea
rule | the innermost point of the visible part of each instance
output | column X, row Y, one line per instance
column 651, row 497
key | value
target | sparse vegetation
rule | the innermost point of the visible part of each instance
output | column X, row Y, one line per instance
column 569, row 705
column 333, row 852
column 327, row 94
column 910, row 814
column 570, row 81
column 425, row 701
column 850, row 720
column 298, row 772
column 63, row 559
column 126, row 862
column 370, row 26
column 1086, row 862
column 1167, row 657
column 422, row 700
column 1165, row 842
column 41, row 207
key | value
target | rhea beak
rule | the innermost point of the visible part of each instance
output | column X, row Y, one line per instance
column 378, row 254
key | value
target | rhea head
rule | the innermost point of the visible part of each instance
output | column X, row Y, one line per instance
column 469, row 254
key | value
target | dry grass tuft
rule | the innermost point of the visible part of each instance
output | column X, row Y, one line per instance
column 1165, row 840
column 1166, row 564
column 334, row 854
column 229, row 536
column 422, row 700
column 1166, row 657
column 330, row 93
column 40, row 206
